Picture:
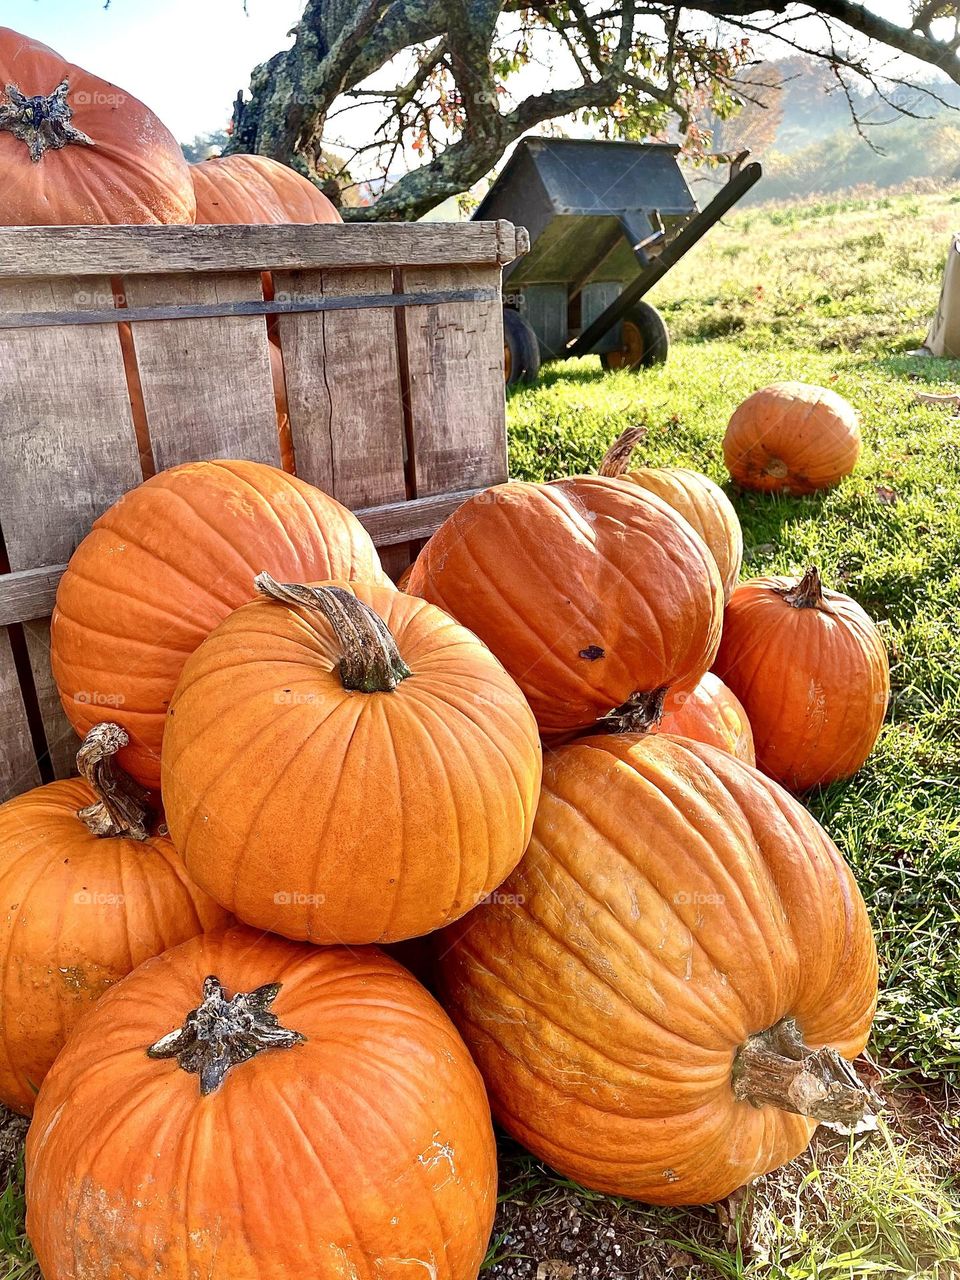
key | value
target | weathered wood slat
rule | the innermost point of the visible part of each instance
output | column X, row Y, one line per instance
column 62, row 741
column 33, row 593
column 207, row 386
column 455, row 367
column 18, row 764
column 44, row 251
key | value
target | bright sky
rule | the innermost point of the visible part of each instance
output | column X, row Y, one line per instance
column 185, row 58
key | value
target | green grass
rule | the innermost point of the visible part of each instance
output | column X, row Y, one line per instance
column 830, row 291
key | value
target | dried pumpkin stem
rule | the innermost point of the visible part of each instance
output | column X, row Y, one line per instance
column 222, row 1032
column 617, row 458
column 776, row 1068
column 638, row 714
column 122, row 807
column 371, row 661
column 807, row 593
column 42, row 122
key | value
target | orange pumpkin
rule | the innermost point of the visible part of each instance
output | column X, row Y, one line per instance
column 348, row 765
column 254, row 189
column 663, row 994
column 701, row 502
column 792, row 436
column 594, row 595
column 76, row 149
column 811, row 671
column 317, row 1116
column 164, row 565
column 710, row 713
column 88, row 893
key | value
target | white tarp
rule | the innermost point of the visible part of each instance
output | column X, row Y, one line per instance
column 943, row 336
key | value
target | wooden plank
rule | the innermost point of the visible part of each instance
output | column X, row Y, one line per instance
column 31, row 594
column 68, row 447
column 18, row 764
column 207, row 386
column 62, row 741
column 45, row 251
column 454, row 358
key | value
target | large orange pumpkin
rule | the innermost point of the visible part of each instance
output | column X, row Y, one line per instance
column 88, row 891
column 663, row 994
column 701, row 502
column 348, row 765
column 164, row 565
column 594, row 595
column 316, row 1116
column 710, row 713
column 76, row 149
column 792, row 436
column 252, row 189
column 811, row 670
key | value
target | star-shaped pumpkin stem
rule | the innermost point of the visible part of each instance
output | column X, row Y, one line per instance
column 41, row 122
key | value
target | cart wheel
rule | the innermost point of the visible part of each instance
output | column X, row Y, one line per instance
column 645, row 340
column 521, row 350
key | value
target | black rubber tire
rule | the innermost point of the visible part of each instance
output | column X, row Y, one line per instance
column 654, row 338
column 520, row 343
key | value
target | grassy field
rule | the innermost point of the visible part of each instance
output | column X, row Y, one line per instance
column 834, row 293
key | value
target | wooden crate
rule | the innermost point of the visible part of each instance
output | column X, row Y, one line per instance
column 393, row 361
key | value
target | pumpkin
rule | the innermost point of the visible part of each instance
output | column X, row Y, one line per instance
column 811, row 670
column 664, row 993
column 792, row 436
column 347, row 764
column 76, row 149
column 256, row 189
column 244, row 1106
column 593, row 593
column 164, row 565
column 710, row 713
column 404, row 580
column 89, row 890
column 701, row 502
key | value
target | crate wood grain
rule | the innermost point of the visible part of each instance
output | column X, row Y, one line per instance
column 125, row 350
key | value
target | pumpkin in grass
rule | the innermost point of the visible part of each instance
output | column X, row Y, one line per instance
column 792, row 436
column 593, row 593
column 664, row 994
column 348, row 764
column 710, row 713
column 811, row 670
column 255, row 189
column 701, row 502
column 89, row 891
column 76, row 149
column 164, row 565
column 316, row 1116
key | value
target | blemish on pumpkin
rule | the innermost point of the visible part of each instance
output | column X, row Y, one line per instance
column 592, row 652
column 671, row 1175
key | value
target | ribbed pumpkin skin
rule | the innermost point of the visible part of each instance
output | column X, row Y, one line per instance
column 366, row 1151
column 135, row 172
column 256, row 189
column 341, row 816
column 549, row 574
column 705, row 507
column 792, row 436
column 672, row 902
column 710, row 713
column 168, row 562
column 78, row 914
column 814, row 682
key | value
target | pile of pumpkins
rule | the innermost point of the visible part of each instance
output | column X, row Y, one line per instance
column 538, row 756
column 648, row 956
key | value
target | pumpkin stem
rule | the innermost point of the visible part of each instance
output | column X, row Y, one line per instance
column 638, row 714
column 371, row 661
column 43, row 123
column 807, row 593
column 221, row 1032
column 776, row 1068
column 122, row 806
column 617, row 458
